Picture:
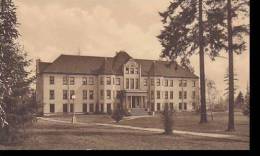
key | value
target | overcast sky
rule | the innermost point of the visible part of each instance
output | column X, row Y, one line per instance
column 102, row 27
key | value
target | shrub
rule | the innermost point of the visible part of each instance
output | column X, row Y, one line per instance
column 118, row 114
column 167, row 117
column 246, row 110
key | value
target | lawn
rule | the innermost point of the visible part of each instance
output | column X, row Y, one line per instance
column 188, row 121
column 47, row 135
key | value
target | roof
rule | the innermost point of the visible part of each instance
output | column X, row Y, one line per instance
column 92, row 65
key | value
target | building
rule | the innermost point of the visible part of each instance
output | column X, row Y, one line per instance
column 100, row 83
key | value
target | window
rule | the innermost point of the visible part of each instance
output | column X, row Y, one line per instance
column 65, row 80
column 65, row 94
column 102, row 94
column 85, row 94
column 158, row 82
column 184, row 83
column 91, row 80
column 118, row 94
column 166, row 94
column 65, row 108
column 136, row 83
column 158, row 95
column 152, row 94
column 180, row 106
column 117, row 81
column 185, row 95
column 109, row 108
column 193, row 94
column 108, row 80
column 132, row 70
column 113, row 80
column 171, row 83
column 84, row 81
column 180, row 94
column 193, row 105
column 102, row 80
column 166, row 83
column 84, row 108
column 108, row 94
column 127, row 83
column 91, row 94
column 193, row 83
column 132, row 83
column 51, row 80
column 185, row 106
column 158, row 106
column 171, row 107
column 52, row 96
column 180, row 83
column 102, row 107
column 152, row 82
column 72, row 80
column 71, row 107
column 145, row 82
column 171, row 94
column 127, row 70
column 91, row 107
column 52, row 108
column 72, row 92
column 136, row 70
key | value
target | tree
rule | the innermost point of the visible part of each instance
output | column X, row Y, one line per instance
column 185, row 32
column 167, row 117
column 212, row 95
column 234, row 10
column 246, row 107
column 118, row 113
column 14, row 78
column 239, row 102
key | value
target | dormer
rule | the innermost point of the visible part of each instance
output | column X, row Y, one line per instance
column 131, row 68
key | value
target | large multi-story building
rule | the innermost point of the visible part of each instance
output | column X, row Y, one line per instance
column 100, row 83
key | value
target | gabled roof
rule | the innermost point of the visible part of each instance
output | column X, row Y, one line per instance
column 92, row 65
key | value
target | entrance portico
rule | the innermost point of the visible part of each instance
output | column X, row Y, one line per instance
column 135, row 99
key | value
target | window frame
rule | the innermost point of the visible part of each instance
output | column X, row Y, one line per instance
column 84, row 80
column 52, row 94
column 65, row 95
column 72, row 80
column 52, row 80
column 84, row 94
column 91, row 94
column 108, row 94
column 108, row 80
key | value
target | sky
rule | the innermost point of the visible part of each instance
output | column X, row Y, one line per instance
column 103, row 27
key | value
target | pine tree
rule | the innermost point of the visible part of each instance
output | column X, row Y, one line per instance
column 185, row 33
column 239, row 102
column 235, row 10
column 14, row 78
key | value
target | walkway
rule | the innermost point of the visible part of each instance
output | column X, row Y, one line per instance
column 156, row 130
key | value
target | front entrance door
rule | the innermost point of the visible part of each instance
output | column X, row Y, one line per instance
column 135, row 102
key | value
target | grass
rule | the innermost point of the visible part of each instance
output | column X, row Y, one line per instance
column 188, row 121
column 46, row 135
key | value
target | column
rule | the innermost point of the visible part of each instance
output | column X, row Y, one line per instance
column 131, row 99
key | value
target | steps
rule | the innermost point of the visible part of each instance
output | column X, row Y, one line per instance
column 138, row 112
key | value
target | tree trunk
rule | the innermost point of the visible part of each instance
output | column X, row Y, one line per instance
column 203, row 117
column 231, row 126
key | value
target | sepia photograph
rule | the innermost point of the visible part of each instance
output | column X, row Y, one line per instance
column 124, row 75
